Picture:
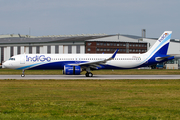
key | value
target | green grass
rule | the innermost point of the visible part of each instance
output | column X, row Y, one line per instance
column 90, row 99
column 96, row 72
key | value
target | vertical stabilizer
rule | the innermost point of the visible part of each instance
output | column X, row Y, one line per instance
column 161, row 45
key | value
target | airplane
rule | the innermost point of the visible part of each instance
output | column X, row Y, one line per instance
column 74, row 64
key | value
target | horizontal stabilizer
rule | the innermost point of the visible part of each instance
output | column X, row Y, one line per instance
column 162, row 58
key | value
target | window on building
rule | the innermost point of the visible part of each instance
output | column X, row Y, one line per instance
column 117, row 44
column 78, row 49
column 69, row 48
column 97, row 49
column 89, row 44
column 127, row 50
column 97, row 43
column 104, row 44
column 101, row 44
column 56, row 49
column 37, row 49
column 108, row 44
column 127, row 44
column 12, row 51
column 30, row 49
column 48, row 49
column 89, row 49
column 19, row 50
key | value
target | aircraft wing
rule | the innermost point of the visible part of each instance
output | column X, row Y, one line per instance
column 96, row 64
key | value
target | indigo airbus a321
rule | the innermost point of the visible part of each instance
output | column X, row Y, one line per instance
column 73, row 65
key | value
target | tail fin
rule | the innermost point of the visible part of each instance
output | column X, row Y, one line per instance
column 161, row 45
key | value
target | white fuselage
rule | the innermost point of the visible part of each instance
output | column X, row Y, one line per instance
column 29, row 61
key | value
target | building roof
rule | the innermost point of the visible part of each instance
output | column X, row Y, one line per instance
column 21, row 39
column 120, row 38
column 132, row 36
column 15, row 40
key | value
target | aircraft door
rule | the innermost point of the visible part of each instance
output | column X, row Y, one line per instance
column 22, row 59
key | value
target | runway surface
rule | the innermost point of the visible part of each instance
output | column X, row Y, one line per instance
column 95, row 77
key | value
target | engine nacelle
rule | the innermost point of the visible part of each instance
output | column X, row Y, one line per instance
column 72, row 70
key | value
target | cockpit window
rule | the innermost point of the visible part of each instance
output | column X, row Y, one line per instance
column 12, row 59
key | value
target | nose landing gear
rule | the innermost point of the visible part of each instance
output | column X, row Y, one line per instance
column 23, row 75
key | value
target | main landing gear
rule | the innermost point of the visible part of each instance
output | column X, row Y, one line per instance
column 89, row 74
column 23, row 75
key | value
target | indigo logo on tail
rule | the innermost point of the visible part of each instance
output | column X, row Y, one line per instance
column 163, row 36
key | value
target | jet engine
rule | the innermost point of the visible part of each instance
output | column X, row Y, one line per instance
column 72, row 70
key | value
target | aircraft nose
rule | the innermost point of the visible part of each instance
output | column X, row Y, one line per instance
column 5, row 65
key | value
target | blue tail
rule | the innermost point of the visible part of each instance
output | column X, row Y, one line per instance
column 159, row 49
column 162, row 44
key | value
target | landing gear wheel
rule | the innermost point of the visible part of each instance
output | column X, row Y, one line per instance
column 89, row 74
column 22, row 75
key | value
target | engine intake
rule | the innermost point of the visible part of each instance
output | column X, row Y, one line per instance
column 72, row 70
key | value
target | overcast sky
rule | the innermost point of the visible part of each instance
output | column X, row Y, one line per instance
column 65, row 17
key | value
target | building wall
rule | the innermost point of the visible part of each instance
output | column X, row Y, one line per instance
column 34, row 50
column 61, row 49
column 174, row 48
column 15, row 50
column 73, row 49
column 53, row 49
column 82, row 49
